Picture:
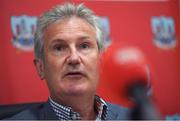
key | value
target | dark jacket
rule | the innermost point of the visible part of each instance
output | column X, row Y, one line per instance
column 45, row 112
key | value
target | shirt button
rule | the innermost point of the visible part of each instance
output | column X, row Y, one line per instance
column 74, row 116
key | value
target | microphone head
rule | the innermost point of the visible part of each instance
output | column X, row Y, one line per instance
column 125, row 66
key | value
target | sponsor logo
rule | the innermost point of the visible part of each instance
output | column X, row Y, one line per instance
column 173, row 117
column 23, row 29
column 164, row 32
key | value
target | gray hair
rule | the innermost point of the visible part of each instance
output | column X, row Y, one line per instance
column 60, row 12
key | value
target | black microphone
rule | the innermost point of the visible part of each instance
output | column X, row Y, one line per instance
column 144, row 107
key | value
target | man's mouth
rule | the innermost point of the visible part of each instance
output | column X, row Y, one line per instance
column 74, row 74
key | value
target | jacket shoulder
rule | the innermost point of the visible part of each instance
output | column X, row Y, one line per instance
column 32, row 113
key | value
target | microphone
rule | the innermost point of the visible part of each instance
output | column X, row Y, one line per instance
column 129, row 69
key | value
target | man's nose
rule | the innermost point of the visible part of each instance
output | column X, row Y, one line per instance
column 73, row 58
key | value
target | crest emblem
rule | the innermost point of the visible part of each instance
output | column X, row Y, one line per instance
column 104, row 25
column 23, row 29
column 164, row 32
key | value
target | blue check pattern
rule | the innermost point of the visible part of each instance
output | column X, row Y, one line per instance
column 67, row 113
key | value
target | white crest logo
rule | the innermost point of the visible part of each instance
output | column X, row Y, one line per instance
column 164, row 32
column 23, row 29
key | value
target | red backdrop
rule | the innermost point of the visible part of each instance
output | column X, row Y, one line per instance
column 130, row 22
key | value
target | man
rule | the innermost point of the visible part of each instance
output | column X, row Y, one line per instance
column 68, row 46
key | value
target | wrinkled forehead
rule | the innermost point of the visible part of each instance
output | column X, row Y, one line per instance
column 69, row 27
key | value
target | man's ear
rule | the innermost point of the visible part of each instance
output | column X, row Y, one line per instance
column 39, row 68
column 101, row 54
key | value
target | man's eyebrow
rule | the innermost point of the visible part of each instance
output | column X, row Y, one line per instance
column 59, row 40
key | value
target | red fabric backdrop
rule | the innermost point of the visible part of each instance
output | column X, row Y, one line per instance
column 130, row 22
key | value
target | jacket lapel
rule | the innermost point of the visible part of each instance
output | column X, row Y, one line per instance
column 47, row 113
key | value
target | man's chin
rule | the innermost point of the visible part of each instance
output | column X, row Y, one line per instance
column 77, row 90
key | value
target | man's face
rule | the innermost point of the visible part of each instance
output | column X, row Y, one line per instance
column 71, row 58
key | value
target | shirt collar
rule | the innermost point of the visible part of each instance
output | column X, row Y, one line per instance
column 67, row 113
column 101, row 108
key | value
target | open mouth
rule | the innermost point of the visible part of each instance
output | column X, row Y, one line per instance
column 74, row 74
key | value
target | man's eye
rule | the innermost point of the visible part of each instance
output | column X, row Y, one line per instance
column 59, row 47
column 84, row 46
